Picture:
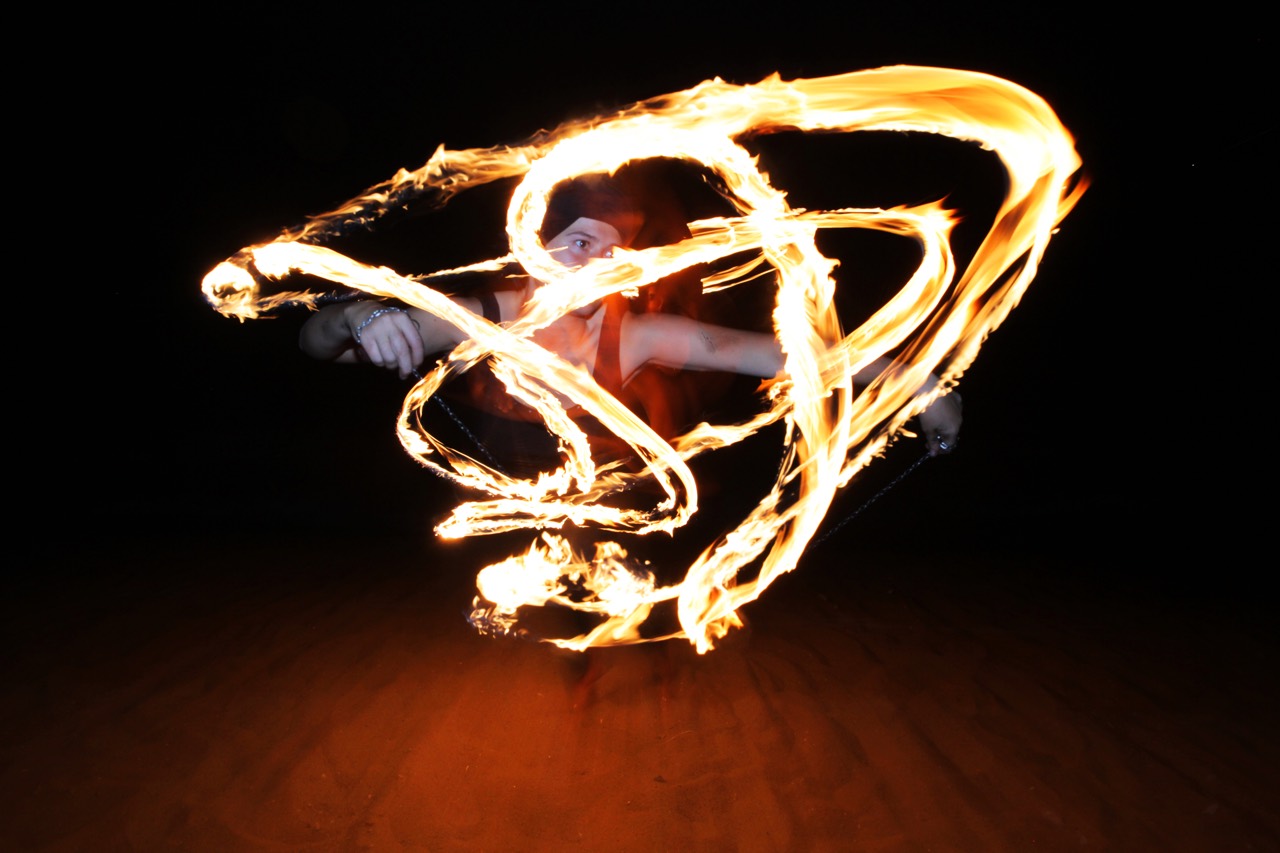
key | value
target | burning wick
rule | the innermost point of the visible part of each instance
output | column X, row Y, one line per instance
column 936, row 321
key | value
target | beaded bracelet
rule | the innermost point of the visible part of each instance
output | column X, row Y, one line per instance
column 391, row 309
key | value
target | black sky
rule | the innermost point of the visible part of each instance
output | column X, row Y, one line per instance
column 1105, row 418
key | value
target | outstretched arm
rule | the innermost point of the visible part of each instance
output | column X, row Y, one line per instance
column 680, row 342
column 672, row 340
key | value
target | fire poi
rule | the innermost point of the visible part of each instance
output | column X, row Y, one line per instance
column 935, row 324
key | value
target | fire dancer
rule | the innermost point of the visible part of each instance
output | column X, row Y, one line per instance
column 531, row 334
column 587, row 218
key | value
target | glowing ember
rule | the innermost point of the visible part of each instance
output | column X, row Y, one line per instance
column 936, row 321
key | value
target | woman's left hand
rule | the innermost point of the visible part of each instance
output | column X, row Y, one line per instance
column 940, row 424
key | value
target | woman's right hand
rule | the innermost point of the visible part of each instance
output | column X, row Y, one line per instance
column 388, row 335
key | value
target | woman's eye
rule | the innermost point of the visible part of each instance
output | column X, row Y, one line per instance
column 582, row 244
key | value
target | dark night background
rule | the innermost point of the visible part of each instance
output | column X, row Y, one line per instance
column 172, row 465
column 1109, row 419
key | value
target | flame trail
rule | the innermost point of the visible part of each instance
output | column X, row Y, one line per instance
column 936, row 323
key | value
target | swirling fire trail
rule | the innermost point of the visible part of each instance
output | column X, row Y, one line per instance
column 934, row 324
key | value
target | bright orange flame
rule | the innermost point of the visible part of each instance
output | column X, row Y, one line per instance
column 832, row 433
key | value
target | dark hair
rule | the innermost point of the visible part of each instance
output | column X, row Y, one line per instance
column 641, row 201
column 595, row 196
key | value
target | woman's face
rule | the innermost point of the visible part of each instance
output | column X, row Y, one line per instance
column 580, row 242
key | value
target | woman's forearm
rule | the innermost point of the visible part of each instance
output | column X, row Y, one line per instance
column 327, row 333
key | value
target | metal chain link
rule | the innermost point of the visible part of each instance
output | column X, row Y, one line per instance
column 851, row 516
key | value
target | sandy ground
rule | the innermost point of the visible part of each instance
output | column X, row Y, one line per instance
column 329, row 695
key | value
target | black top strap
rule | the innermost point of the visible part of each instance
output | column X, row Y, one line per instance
column 489, row 306
column 608, row 367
